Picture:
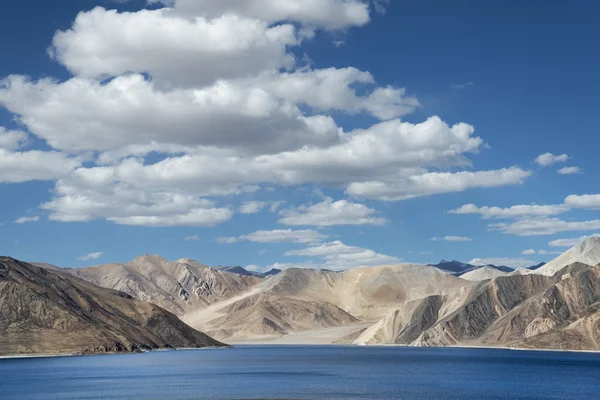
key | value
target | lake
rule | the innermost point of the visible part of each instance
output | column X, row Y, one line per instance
column 307, row 372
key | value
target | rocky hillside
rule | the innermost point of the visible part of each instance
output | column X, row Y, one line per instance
column 180, row 287
column 50, row 311
column 586, row 252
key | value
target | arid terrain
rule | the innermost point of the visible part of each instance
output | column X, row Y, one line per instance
column 48, row 311
column 555, row 306
column 151, row 303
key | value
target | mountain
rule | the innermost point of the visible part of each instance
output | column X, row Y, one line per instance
column 535, row 267
column 47, row 311
column 242, row 271
column 524, row 311
column 586, row 252
column 453, row 267
column 459, row 268
column 179, row 286
column 236, row 270
column 298, row 300
column 483, row 273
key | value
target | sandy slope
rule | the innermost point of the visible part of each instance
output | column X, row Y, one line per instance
column 587, row 252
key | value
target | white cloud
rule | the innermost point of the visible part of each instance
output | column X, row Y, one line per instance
column 339, row 256
column 544, row 226
column 12, row 140
column 462, row 85
column 569, row 171
column 502, row 261
column 540, row 252
column 125, row 205
column 570, row 242
column 329, row 14
column 17, row 167
column 252, row 207
column 193, row 238
column 26, row 220
column 278, row 236
column 547, row 159
column 215, row 91
column 330, row 213
column 255, row 207
column 512, row 212
column 172, row 48
column 451, row 239
column 226, row 240
column 91, row 256
column 437, row 183
column 587, row 201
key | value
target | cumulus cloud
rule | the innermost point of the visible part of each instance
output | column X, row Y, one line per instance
column 547, row 159
column 517, row 211
column 587, row 201
column 126, row 206
column 569, row 171
column 329, row 14
column 17, row 167
column 277, row 236
column 544, row 226
column 339, row 256
column 26, row 220
column 504, row 261
column 173, row 48
column 91, row 256
column 207, row 99
column 451, row 239
column 570, row 242
column 255, row 207
column 331, row 213
column 12, row 140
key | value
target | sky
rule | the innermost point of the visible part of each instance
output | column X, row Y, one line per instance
column 298, row 133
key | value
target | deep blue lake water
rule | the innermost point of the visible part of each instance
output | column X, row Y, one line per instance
column 304, row 372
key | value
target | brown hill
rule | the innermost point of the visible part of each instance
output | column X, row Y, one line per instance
column 47, row 311
column 181, row 286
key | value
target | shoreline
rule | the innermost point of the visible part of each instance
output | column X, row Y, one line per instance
column 266, row 344
column 54, row 355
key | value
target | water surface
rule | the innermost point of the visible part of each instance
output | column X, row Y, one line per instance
column 305, row 372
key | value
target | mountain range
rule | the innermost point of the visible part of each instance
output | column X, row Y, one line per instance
column 49, row 311
column 554, row 306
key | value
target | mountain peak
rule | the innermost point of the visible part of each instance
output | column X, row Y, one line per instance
column 149, row 259
column 586, row 252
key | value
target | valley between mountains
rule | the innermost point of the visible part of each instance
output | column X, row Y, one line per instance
column 151, row 303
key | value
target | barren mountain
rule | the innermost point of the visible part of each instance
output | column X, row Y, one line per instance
column 586, row 252
column 179, row 286
column 50, row 311
column 399, row 304
column 483, row 274
column 304, row 299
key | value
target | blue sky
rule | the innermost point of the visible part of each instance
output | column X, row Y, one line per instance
column 333, row 127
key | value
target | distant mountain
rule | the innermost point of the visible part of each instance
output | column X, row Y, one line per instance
column 242, row 271
column 535, row 267
column 458, row 268
column 586, row 252
column 236, row 270
column 49, row 311
column 272, row 272
column 454, row 267
column 178, row 286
